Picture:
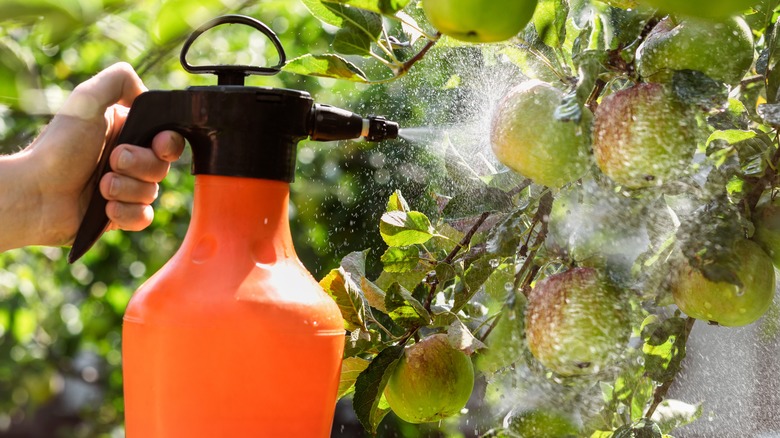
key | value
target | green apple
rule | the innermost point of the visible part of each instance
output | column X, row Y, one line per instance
column 542, row 423
column 767, row 223
column 576, row 322
column 479, row 21
column 528, row 139
column 643, row 136
column 725, row 303
column 711, row 9
column 721, row 50
column 431, row 381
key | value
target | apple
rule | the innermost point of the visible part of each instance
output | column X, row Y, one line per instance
column 576, row 323
column 711, row 9
column 478, row 21
column 767, row 235
column 721, row 50
column 431, row 381
column 528, row 139
column 542, row 423
column 643, row 136
column 725, row 303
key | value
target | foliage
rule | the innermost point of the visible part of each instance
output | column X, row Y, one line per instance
column 459, row 257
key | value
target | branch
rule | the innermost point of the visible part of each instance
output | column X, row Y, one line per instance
column 766, row 180
column 454, row 253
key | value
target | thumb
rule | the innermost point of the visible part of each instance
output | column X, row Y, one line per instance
column 118, row 83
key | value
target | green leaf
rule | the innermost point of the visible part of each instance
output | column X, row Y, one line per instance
column 375, row 296
column 731, row 136
column 397, row 203
column 351, row 368
column 404, row 259
column 325, row 66
column 399, row 228
column 550, row 21
column 404, row 309
column 360, row 341
column 341, row 286
column 664, row 347
column 643, row 428
column 342, row 15
column 387, row 7
column 474, row 277
column 370, row 385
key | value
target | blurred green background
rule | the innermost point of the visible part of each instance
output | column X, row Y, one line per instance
column 60, row 324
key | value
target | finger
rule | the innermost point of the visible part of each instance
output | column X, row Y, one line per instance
column 115, row 187
column 130, row 217
column 168, row 145
column 139, row 163
column 118, row 83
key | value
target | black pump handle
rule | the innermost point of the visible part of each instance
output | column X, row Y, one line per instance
column 233, row 74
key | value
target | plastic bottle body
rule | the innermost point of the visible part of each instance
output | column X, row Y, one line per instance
column 233, row 337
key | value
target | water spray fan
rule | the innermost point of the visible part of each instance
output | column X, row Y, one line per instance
column 233, row 336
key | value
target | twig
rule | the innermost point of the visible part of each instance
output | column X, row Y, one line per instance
column 454, row 253
column 660, row 393
column 522, row 279
column 406, row 66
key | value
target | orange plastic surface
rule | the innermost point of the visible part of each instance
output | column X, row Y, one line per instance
column 232, row 337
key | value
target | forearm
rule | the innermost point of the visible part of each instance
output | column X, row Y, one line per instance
column 20, row 220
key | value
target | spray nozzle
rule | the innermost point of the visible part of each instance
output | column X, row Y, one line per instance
column 379, row 128
column 329, row 123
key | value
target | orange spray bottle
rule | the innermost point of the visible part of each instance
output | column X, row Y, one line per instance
column 232, row 337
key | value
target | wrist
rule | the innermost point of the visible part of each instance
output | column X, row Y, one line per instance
column 19, row 203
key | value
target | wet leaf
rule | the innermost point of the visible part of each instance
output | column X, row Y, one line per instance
column 399, row 228
column 351, row 41
column 388, row 7
column 370, row 385
column 340, row 14
column 397, row 259
column 326, row 66
column 397, row 203
column 351, row 368
column 550, row 21
column 643, row 428
column 664, row 347
column 341, row 286
column 404, row 309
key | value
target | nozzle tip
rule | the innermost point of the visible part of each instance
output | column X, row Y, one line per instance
column 379, row 128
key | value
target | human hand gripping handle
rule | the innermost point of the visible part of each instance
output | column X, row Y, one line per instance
column 152, row 116
column 53, row 177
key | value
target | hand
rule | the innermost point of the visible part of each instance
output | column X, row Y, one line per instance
column 52, row 175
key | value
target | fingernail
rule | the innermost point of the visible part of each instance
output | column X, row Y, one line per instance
column 125, row 159
column 113, row 189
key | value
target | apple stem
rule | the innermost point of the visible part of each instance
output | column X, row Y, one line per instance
column 660, row 392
